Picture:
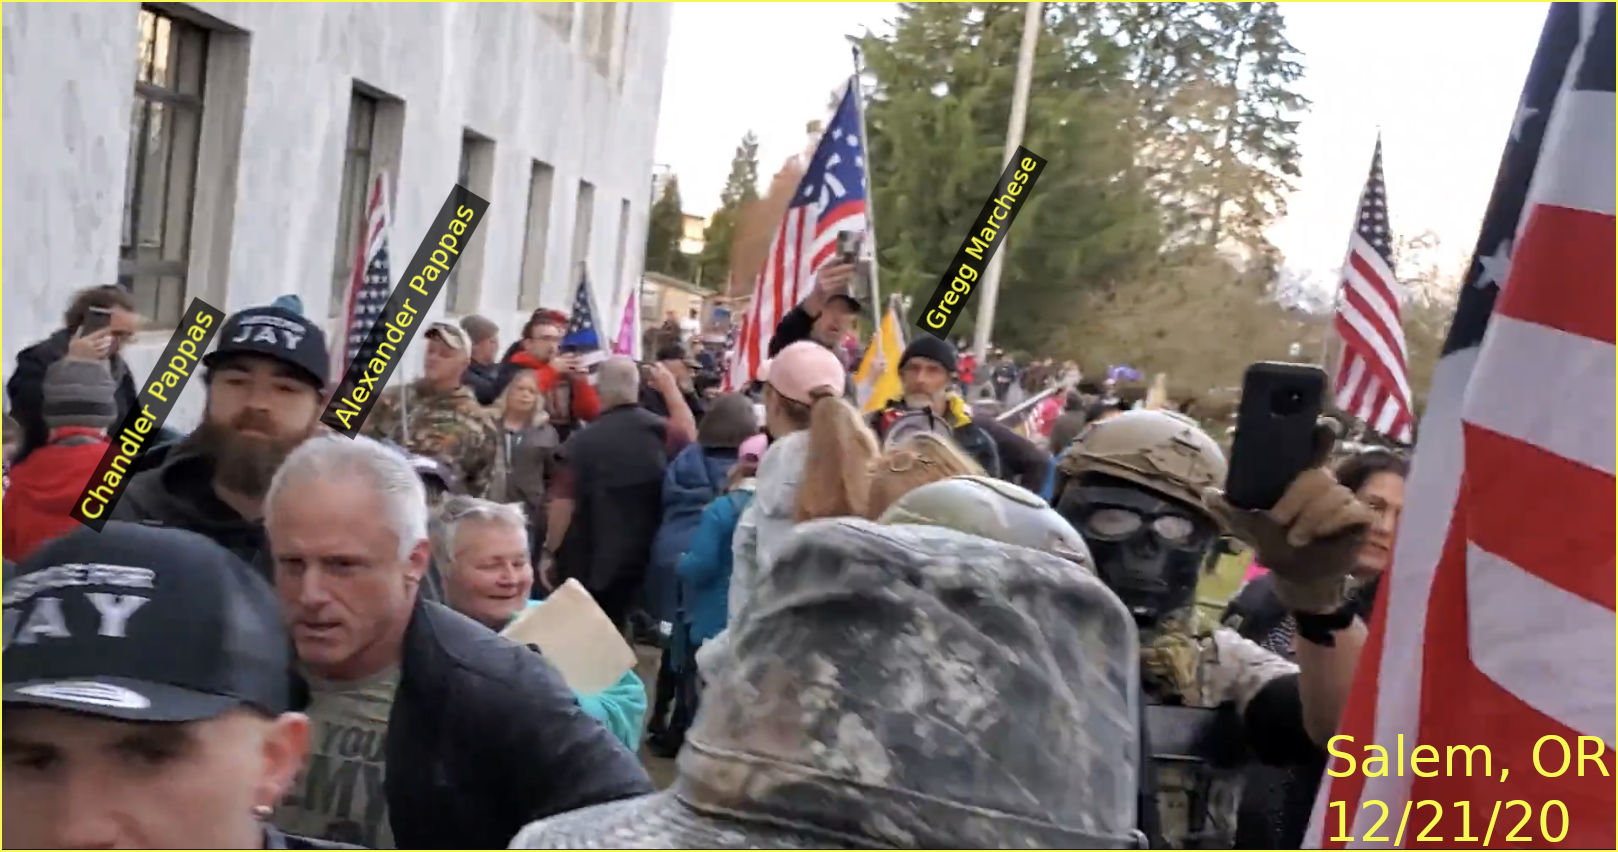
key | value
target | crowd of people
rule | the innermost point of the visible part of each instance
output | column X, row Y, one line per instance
column 907, row 628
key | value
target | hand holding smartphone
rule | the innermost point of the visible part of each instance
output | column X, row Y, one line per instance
column 1275, row 432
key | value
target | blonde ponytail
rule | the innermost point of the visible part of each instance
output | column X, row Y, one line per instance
column 837, row 466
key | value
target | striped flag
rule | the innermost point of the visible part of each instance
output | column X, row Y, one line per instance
column 830, row 198
column 371, row 285
column 1372, row 382
column 1496, row 624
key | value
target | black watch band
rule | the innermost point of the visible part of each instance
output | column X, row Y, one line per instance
column 1319, row 628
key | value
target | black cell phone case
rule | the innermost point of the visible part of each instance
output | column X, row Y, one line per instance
column 1275, row 432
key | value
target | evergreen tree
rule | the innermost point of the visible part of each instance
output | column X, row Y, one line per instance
column 940, row 104
column 741, row 190
column 664, row 230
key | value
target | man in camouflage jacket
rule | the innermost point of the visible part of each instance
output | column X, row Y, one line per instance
column 1141, row 488
column 438, row 416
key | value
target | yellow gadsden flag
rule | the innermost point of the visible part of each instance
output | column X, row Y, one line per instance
column 877, row 379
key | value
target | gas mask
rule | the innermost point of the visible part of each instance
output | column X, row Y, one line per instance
column 1148, row 549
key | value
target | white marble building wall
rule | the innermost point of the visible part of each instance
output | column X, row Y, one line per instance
column 285, row 71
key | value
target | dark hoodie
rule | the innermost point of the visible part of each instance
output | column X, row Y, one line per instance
column 180, row 494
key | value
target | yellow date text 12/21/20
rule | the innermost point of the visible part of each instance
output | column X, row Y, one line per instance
column 1516, row 820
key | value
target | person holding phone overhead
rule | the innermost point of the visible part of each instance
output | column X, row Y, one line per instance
column 97, row 324
column 1146, row 490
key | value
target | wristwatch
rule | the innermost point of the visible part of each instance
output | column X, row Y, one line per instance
column 1320, row 628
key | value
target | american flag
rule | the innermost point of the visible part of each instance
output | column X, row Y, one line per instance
column 1496, row 621
column 1372, row 382
column 371, row 285
column 829, row 199
column 581, row 336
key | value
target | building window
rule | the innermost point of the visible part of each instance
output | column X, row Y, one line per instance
column 559, row 16
column 536, row 237
column 358, row 156
column 623, row 249
column 476, row 173
column 600, row 30
column 166, row 126
column 583, row 216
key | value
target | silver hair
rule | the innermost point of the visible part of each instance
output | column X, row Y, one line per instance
column 330, row 456
column 460, row 509
column 618, row 381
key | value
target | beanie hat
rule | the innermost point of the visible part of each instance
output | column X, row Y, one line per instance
column 931, row 348
column 79, row 393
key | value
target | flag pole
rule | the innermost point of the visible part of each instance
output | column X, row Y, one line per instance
column 984, row 325
column 858, row 90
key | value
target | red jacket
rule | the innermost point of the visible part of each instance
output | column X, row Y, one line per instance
column 44, row 487
column 583, row 404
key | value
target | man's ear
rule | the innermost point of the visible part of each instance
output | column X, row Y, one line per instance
column 285, row 749
column 420, row 558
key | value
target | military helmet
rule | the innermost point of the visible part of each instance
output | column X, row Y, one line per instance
column 992, row 509
column 1163, row 451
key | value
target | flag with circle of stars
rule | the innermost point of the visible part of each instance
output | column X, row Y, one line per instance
column 830, row 198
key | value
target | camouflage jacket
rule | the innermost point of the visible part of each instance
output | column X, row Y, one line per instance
column 448, row 426
column 1197, row 663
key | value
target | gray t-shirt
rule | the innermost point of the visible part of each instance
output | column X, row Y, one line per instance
column 339, row 796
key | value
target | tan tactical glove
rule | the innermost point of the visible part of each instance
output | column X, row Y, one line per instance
column 1309, row 538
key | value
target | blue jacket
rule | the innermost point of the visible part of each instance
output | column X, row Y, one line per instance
column 621, row 707
column 705, row 570
column 695, row 477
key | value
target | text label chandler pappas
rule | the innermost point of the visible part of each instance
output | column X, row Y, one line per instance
column 400, row 319
column 152, row 406
column 938, row 316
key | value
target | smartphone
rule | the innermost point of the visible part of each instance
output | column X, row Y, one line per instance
column 849, row 244
column 95, row 319
column 1275, row 431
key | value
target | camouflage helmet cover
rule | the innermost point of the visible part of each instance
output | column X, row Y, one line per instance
column 993, row 509
column 1163, row 451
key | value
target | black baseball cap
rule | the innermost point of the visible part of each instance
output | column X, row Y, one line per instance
column 145, row 624
column 277, row 333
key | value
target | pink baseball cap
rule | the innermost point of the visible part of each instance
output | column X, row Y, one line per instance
column 796, row 371
column 754, row 447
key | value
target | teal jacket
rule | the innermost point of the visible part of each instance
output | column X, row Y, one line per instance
column 621, row 707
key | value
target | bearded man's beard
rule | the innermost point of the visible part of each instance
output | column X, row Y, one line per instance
column 246, row 463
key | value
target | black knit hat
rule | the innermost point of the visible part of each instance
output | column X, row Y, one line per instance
column 931, row 348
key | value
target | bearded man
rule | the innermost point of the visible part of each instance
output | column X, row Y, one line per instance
column 265, row 382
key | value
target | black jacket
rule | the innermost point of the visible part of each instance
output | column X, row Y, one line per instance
column 27, row 389
column 484, row 737
column 795, row 325
column 484, row 381
column 616, row 465
column 179, row 493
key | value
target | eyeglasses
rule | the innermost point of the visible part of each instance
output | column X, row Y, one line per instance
column 906, row 461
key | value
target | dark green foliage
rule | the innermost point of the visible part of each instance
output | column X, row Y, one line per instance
column 1169, row 130
column 663, row 232
column 741, row 190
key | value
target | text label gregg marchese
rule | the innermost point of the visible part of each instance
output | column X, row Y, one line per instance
column 940, row 312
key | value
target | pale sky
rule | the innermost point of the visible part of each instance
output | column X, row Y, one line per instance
column 1440, row 79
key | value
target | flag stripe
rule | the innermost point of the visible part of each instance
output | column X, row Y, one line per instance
column 1581, row 131
column 1541, row 376
column 1573, row 246
column 1516, row 612
column 1517, row 468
